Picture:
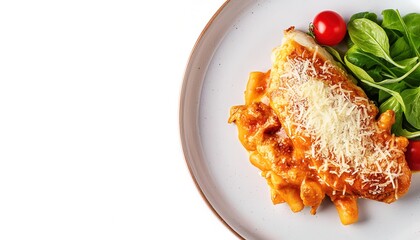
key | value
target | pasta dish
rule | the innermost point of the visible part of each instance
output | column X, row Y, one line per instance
column 314, row 133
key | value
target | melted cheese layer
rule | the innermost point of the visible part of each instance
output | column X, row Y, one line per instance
column 340, row 126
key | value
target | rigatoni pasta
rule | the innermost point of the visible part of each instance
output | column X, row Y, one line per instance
column 313, row 133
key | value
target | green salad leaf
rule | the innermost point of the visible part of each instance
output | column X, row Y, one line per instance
column 411, row 98
column 368, row 15
column 371, row 38
column 383, row 55
column 412, row 22
column 400, row 49
column 366, row 60
column 393, row 20
column 397, row 127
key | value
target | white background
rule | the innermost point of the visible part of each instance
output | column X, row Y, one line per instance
column 89, row 137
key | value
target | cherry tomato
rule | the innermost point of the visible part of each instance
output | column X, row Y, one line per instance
column 329, row 28
column 413, row 155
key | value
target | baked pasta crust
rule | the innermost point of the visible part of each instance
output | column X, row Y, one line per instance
column 279, row 125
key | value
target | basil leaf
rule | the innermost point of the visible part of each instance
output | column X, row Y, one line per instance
column 393, row 20
column 412, row 21
column 369, row 15
column 384, row 56
column 359, row 72
column 390, row 104
column 400, row 50
column 397, row 87
column 366, row 60
column 411, row 99
column 398, row 79
column 371, row 38
column 413, row 79
column 397, row 128
column 375, row 73
column 334, row 53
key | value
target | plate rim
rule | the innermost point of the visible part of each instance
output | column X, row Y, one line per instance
column 181, row 125
column 183, row 115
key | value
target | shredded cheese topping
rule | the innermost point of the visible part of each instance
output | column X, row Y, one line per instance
column 340, row 126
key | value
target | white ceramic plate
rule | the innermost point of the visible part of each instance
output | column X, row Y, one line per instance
column 238, row 40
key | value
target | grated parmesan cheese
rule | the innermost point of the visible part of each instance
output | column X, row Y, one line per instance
column 339, row 125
